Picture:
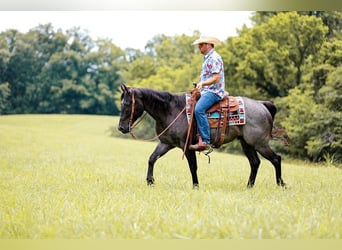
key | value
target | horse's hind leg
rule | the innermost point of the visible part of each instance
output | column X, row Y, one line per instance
column 253, row 159
column 159, row 151
column 275, row 159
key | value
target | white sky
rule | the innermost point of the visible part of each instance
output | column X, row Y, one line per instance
column 131, row 28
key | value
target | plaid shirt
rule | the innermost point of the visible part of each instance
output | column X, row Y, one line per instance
column 212, row 63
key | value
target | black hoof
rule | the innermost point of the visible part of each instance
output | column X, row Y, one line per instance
column 282, row 184
column 250, row 185
column 150, row 182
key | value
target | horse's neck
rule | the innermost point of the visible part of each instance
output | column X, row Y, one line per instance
column 156, row 106
column 150, row 102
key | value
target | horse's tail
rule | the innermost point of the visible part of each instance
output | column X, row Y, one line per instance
column 271, row 108
column 277, row 133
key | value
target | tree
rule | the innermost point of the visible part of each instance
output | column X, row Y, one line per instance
column 327, row 142
column 270, row 58
column 331, row 19
column 170, row 63
column 299, row 117
column 4, row 86
column 22, row 68
column 4, row 95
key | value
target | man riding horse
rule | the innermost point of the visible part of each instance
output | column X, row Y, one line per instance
column 171, row 119
column 211, row 86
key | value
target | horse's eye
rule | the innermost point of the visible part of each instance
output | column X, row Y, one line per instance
column 126, row 103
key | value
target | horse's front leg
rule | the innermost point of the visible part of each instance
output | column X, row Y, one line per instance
column 158, row 152
column 192, row 161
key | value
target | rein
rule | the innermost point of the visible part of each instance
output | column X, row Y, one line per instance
column 142, row 117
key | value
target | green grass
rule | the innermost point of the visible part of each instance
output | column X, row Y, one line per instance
column 63, row 176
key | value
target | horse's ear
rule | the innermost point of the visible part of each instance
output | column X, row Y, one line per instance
column 123, row 87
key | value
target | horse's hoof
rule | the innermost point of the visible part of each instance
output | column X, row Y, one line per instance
column 284, row 186
column 150, row 182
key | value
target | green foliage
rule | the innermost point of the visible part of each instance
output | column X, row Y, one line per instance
column 329, row 142
column 331, row 92
column 170, row 64
column 313, row 128
column 270, row 58
column 56, row 72
column 331, row 19
column 299, row 118
column 4, row 94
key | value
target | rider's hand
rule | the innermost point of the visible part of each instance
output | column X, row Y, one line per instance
column 199, row 85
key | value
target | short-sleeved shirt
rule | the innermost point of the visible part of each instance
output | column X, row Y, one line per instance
column 212, row 63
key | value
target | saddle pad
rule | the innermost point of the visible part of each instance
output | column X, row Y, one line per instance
column 237, row 117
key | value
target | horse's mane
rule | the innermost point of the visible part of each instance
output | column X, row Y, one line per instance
column 162, row 100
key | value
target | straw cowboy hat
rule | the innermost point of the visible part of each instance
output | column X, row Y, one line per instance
column 207, row 39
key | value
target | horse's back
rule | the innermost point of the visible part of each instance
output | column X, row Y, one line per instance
column 259, row 110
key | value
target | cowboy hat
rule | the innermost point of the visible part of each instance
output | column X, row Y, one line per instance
column 207, row 39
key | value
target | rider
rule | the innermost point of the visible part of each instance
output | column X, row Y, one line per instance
column 211, row 86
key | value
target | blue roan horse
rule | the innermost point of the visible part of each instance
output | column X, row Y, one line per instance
column 164, row 107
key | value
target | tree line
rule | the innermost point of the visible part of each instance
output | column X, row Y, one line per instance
column 291, row 58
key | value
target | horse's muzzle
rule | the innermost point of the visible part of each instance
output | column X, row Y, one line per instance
column 123, row 130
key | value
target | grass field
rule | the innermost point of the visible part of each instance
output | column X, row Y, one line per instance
column 63, row 176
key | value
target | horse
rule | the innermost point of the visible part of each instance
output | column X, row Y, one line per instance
column 171, row 124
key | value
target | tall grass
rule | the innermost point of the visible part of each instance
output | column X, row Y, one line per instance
column 64, row 177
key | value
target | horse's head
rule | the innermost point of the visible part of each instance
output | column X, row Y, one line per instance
column 131, row 108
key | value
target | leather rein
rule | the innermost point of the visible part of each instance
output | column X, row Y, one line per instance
column 142, row 117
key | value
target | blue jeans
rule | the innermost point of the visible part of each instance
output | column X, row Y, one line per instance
column 202, row 105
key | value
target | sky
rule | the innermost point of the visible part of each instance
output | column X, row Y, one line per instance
column 131, row 29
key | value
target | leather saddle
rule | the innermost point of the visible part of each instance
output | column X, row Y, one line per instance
column 229, row 102
column 220, row 124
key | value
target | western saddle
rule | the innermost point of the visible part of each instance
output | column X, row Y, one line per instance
column 223, row 107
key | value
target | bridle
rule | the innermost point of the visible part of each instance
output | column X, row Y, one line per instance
column 130, row 122
column 131, row 126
